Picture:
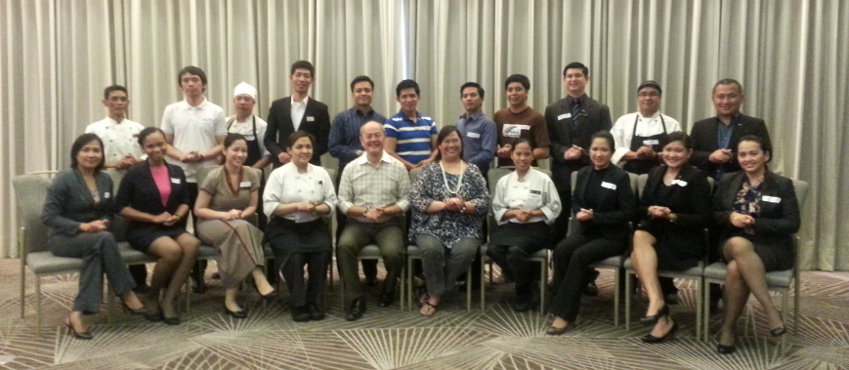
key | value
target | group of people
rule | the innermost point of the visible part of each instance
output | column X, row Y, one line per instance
column 401, row 181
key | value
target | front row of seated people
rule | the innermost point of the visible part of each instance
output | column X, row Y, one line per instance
column 755, row 211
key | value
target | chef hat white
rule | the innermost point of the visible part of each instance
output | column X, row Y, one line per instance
column 243, row 88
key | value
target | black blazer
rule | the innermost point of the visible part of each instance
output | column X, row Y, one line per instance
column 316, row 121
column 139, row 191
column 563, row 133
column 778, row 219
column 704, row 134
column 614, row 207
column 691, row 202
column 69, row 202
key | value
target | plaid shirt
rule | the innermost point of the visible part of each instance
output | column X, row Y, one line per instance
column 364, row 185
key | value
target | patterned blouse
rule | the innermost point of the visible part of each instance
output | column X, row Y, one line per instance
column 747, row 202
column 448, row 226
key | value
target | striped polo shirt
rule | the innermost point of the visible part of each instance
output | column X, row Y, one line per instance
column 413, row 138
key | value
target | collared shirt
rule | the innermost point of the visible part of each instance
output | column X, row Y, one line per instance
column 120, row 139
column 413, row 137
column 623, row 130
column 287, row 185
column 345, row 133
column 723, row 133
column 297, row 111
column 537, row 191
column 194, row 129
column 365, row 185
column 479, row 139
column 246, row 129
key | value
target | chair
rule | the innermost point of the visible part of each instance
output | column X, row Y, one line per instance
column 776, row 280
column 693, row 273
column 542, row 256
column 30, row 192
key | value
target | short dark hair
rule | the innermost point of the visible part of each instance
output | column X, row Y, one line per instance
column 302, row 64
column 191, row 70
column 606, row 135
column 293, row 137
column 727, row 81
column 407, row 84
column 112, row 88
column 584, row 69
column 522, row 79
column 522, row 140
column 765, row 144
column 147, row 131
column 232, row 138
column 447, row 130
column 359, row 79
column 82, row 141
column 472, row 84
column 679, row 136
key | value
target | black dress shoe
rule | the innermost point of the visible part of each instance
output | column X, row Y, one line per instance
column 301, row 314
column 171, row 320
column 316, row 313
column 725, row 350
column 560, row 331
column 358, row 308
column 651, row 320
column 669, row 335
column 84, row 335
column 153, row 316
column 386, row 300
column 237, row 314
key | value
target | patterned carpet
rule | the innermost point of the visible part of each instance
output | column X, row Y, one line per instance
column 496, row 338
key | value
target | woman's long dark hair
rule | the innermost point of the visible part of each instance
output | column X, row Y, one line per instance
column 447, row 130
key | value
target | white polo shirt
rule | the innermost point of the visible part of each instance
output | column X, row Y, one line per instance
column 194, row 129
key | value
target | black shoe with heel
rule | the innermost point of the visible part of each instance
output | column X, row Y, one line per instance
column 652, row 320
column 779, row 331
column 84, row 335
column 668, row 336
column 127, row 309
column 241, row 314
column 724, row 349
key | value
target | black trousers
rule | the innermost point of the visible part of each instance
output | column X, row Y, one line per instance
column 302, row 292
column 572, row 257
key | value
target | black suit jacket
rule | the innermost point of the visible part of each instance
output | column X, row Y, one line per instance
column 563, row 133
column 779, row 216
column 316, row 121
column 704, row 134
column 139, row 191
column 691, row 202
column 614, row 208
column 69, row 202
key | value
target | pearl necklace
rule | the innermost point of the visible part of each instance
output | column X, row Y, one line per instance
column 456, row 190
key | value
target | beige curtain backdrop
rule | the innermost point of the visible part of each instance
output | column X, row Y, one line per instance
column 791, row 57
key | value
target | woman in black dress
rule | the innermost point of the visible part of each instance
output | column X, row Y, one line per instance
column 758, row 213
column 674, row 210
column 154, row 198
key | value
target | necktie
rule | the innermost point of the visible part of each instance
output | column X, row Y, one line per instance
column 575, row 109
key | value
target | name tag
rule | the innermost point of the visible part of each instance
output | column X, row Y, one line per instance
column 310, row 118
column 106, row 195
column 474, row 135
column 175, row 180
column 535, row 196
column 514, row 131
column 651, row 142
column 680, row 183
column 564, row 116
column 771, row 199
column 608, row 185
column 245, row 185
column 250, row 138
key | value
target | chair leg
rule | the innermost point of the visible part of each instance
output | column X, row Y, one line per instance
column 23, row 286
column 628, row 291
column 543, row 279
column 110, row 300
column 785, row 299
column 469, row 289
column 188, row 294
column 796, row 305
column 483, row 281
column 617, row 279
column 38, row 305
column 699, row 287
column 706, row 310
column 409, row 282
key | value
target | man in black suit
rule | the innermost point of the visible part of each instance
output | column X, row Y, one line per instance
column 297, row 112
column 571, row 122
column 715, row 138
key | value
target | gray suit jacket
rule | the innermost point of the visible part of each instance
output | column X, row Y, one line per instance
column 69, row 202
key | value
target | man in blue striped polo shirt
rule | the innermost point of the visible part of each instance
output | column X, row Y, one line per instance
column 410, row 135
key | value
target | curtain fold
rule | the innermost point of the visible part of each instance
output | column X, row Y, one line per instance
column 791, row 57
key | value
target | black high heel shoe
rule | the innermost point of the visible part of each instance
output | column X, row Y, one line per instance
column 779, row 331
column 266, row 297
column 652, row 320
column 140, row 311
column 669, row 335
column 84, row 335
column 237, row 314
column 726, row 350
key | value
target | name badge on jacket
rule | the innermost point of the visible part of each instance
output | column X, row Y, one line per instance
column 245, row 185
column 651, row 142
column 175, row 180
column 564, row 116
column 680, row 183
column 608, row 185
column 106, row 195
column 474, row 135
column 310, row 119
column 771, row 199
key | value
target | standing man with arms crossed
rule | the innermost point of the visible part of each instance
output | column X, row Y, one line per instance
column 297, row 112
column 571, row 123
column 410, row 135
column 520, row 121
column 120, row 138
column 345, row 146
column 195, row 130
column 477, row 129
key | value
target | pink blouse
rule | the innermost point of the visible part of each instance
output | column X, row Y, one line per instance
column 163, row 183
